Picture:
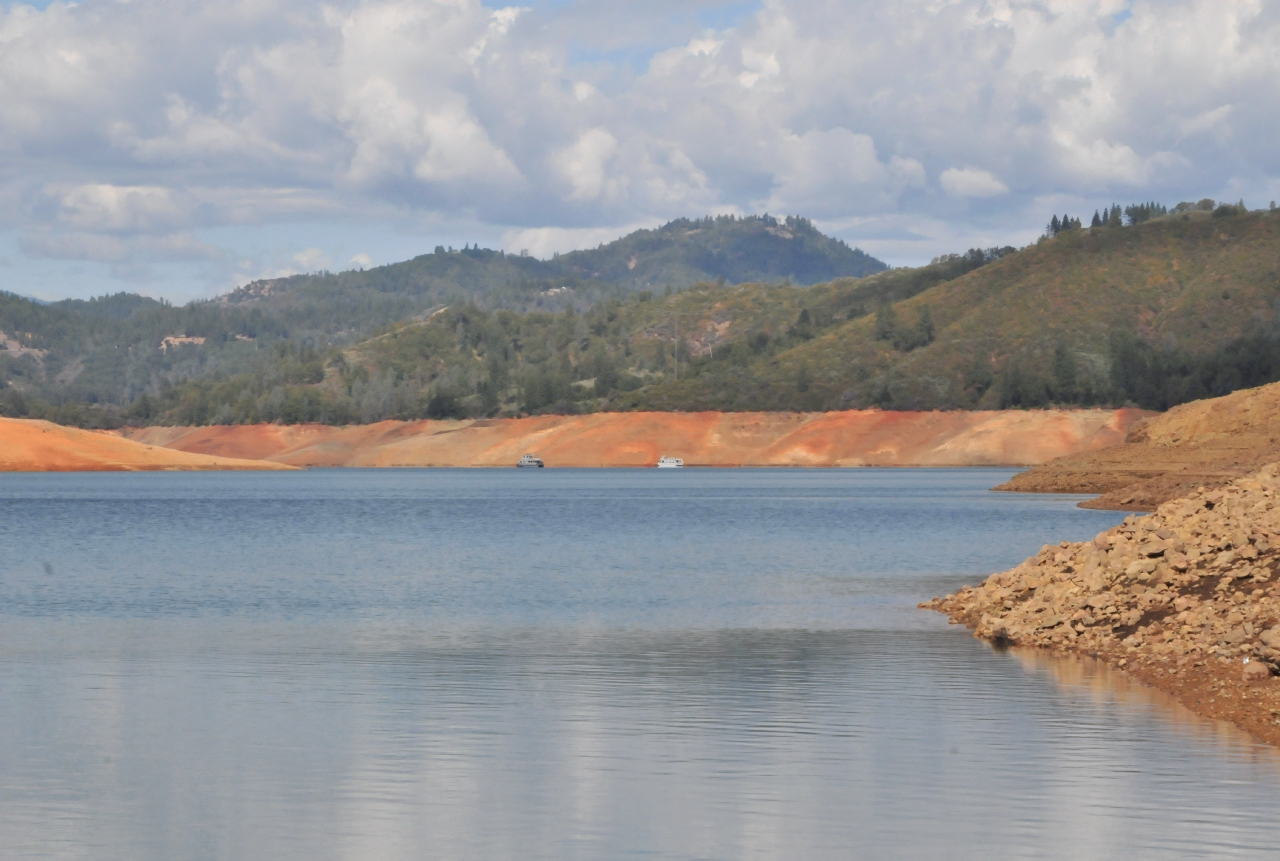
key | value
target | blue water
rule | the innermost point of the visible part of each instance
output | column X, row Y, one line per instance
column 566, row 664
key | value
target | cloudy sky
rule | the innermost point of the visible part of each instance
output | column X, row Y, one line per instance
column 181, row 148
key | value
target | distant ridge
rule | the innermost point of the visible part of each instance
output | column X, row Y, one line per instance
column 1181, row 305
column 739, row 250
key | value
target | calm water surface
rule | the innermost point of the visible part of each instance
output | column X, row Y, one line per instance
column 564, row 664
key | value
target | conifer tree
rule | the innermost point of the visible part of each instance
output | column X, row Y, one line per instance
column 886, row 322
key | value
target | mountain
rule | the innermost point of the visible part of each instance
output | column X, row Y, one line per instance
column 1171, row 310
column 723, row 249
column 74, row 354
column 1177, row 307
column 737, row 250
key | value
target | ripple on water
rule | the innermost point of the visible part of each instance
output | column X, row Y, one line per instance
column 613, row 664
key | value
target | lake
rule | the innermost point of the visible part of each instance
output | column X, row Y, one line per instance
column 570, row 664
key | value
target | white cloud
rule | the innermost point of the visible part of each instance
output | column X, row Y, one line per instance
column 128, row 121
column 311, row 259
column 362, row 260
column 114, row 208
column 543, row 242
column 971, row 182
column 584, row 164
column 836, row 172
column 114, row 249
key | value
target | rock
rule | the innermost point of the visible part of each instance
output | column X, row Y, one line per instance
column 1255, row 671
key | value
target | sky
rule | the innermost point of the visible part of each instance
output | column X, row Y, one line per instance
column 180, row 148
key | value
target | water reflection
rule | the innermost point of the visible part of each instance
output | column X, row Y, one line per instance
column 400, row 665
column 1108, row 689
column 719, row 744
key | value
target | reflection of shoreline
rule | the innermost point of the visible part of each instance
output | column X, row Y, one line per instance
column 1182, row 599
column 1106, row 685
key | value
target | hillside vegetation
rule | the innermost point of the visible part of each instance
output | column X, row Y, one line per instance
column 737, row 250
column 1156, row 314
column 1166, row 309
column 86, row 362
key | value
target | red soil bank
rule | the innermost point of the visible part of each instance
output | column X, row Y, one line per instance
column 36, row 446
column 850, row 438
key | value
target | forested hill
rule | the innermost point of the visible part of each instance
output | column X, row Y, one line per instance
column 723, row 249
column 1152, row 313
column 108, row 352
column 737, row 250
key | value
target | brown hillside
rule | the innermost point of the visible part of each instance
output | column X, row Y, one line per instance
column 1203, row 443
column 850, row 438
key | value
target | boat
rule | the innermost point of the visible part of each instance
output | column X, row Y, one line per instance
column 665, row 462
column 531, row 461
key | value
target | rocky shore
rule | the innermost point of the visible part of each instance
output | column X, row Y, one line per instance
column 1186, row 598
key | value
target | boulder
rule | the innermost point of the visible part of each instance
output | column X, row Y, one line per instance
column 1255, row 671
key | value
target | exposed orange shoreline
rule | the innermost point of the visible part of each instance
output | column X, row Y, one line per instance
column 35, row 446
column 849, row 438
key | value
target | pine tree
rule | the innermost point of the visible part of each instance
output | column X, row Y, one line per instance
column 1054, row 226
column 1097, row 219
column 886, row 322
column 924, row 327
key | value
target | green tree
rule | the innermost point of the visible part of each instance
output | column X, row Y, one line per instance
column 886, row 322
column 1065, row 374
column 924, row 327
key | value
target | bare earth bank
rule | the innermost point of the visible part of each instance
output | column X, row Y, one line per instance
column 1201, row 444
column 36, row 446
column 849, row 438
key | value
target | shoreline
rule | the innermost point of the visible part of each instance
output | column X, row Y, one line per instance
column 834, row 439
column 1204, row 443
column 1185, row 599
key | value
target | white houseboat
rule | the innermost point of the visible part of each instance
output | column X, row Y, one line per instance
column 670, row 463
column 530, row 461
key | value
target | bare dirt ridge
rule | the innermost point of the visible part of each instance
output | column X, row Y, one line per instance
column 1186, row 599
column 848, row 438
column 1199, row 444
column 28, row 445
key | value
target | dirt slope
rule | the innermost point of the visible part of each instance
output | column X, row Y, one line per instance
column 1203, row 443
column 850, row 438
column 1186, row 599
column 27, row 445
